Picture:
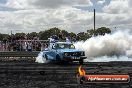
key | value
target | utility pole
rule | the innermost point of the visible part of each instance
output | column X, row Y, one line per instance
column 94, row 23
column 11, row 32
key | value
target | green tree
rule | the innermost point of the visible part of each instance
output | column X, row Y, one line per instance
column 1, row 37
column 103, row 31
column 98, row 31
column 83, row 36
column 20, row 34
column 90, row 32
column 32, row 35
column 4, row 37
column 47, row 33
column 72, row 34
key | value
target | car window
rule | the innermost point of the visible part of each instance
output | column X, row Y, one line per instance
column 57, row 46
column 64, row 46
column 72, row 46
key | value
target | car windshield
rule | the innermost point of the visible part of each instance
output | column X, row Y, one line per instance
column 64, row 46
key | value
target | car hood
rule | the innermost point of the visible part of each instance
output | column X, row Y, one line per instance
column 68, row 50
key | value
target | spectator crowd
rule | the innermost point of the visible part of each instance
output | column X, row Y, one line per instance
column 26, row 43
column 22, row 43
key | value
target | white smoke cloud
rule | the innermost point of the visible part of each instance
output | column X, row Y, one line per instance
column 101, row 2
column 40, row 58
column 116, row 44
column 108, row 59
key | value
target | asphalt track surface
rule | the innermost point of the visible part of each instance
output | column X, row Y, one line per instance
column 28, row 74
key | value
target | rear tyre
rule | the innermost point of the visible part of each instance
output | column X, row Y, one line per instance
column 81, row 61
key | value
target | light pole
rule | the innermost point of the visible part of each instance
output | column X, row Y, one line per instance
column 94, row 22
column 11, row 32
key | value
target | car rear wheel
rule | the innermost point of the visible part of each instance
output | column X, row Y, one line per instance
column 81, row 61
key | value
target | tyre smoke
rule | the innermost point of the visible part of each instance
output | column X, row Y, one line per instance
column 110, row 47
column 40, row 58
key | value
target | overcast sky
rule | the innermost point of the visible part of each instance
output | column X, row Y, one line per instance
column 71, row 15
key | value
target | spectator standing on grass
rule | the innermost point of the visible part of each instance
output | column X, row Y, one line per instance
column 38, row 48
column 42, row 46
column 68, row 39
column 4, row 46
column 29, row 46
column 56, row 38
column 0, row 46
column 24, row 46
column 46, row 46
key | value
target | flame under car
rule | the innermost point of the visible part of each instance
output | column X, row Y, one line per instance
column 63, row 51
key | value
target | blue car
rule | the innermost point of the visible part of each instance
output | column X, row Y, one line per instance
column 63, row 51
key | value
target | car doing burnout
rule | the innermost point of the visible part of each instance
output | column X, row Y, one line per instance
column 63, row 51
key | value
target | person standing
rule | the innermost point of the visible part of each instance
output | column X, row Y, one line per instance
column 29, row 46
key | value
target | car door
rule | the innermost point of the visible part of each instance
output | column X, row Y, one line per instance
column 54, row 53
column 49, row 54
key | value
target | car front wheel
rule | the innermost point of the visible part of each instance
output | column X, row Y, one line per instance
column 46, row 57
column 58, row 58
column 81, row 61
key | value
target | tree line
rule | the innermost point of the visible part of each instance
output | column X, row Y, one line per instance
column 44, row 35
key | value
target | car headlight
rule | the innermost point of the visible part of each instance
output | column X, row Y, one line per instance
column 82, row 54
column 66, row 54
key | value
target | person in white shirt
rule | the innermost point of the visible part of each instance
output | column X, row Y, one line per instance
column 29, row 46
